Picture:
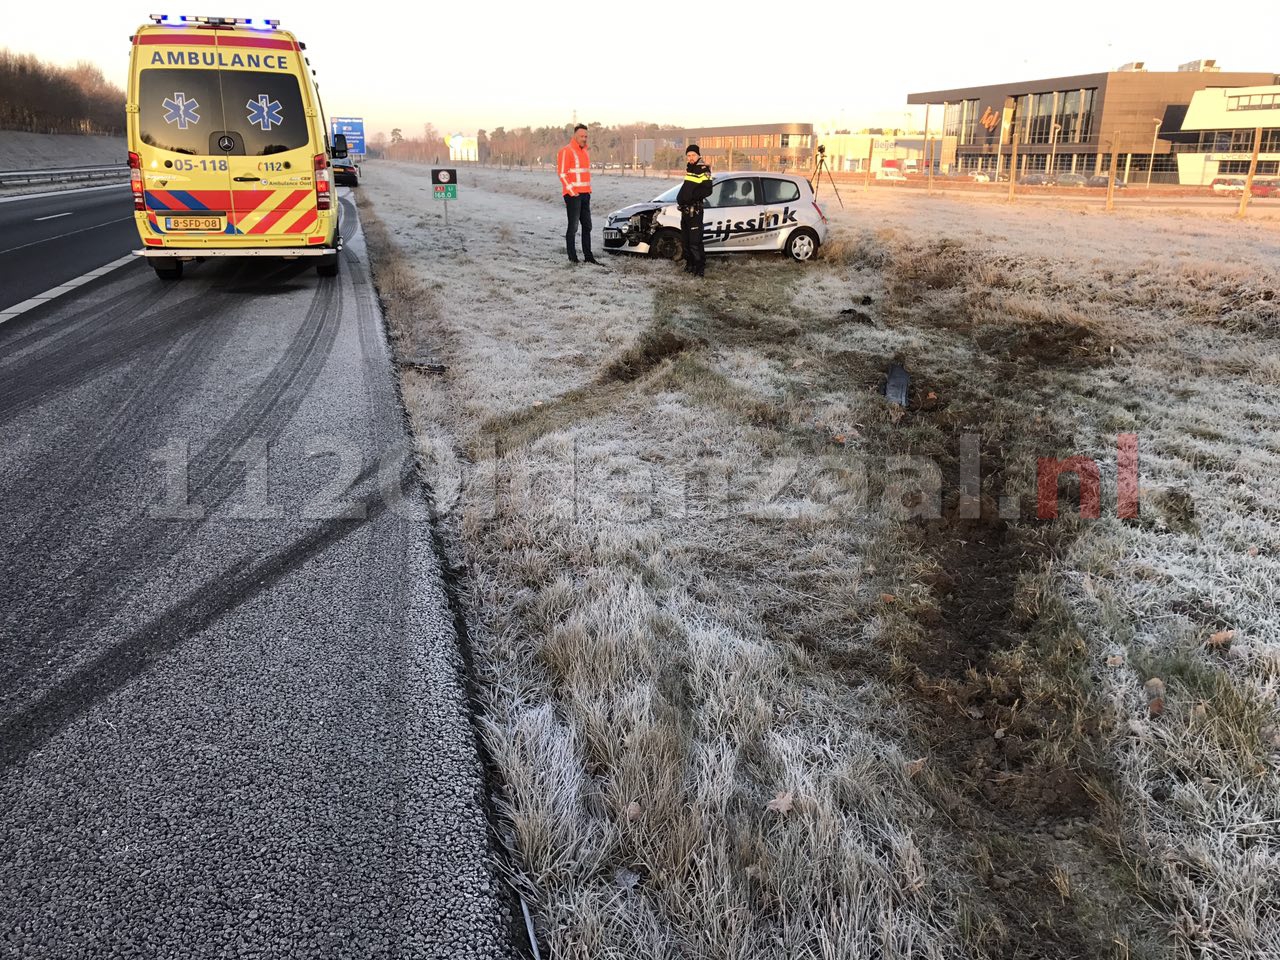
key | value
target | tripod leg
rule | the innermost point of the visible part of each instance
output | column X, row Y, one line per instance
column 822, row 165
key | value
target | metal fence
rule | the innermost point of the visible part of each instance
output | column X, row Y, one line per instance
column 64, row 174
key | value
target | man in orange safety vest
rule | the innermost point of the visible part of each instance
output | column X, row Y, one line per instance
column 573, row 163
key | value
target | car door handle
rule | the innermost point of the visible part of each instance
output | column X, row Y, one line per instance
column 245, row 179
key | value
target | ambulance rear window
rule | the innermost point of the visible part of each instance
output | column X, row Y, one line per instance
column 201, row 112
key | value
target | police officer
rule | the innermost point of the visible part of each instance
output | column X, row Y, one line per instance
column 695, row 189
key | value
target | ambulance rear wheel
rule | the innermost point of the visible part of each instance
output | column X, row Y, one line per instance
column 667, row 245
column 327, row 266
column 167, row 270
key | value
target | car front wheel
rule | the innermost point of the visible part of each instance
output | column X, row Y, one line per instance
column 802, row 245
column 667, row 245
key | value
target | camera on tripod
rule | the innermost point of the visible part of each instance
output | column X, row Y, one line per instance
column 819, row 165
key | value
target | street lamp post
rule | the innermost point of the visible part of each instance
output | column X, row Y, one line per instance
column 1053, row 145
column 1151, row 164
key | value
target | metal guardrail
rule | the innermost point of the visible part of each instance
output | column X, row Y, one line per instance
column 64, row 174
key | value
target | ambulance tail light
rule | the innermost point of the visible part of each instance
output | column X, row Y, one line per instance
column 324, row 182
column 135, row 181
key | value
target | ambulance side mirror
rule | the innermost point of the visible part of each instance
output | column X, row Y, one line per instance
column 339, row 149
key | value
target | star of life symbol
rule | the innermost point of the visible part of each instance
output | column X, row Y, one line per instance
column 181, row 111
column 264, row 112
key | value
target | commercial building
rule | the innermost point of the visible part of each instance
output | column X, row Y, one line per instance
column 1220, row 130
column 1076, row 123
column 851, row 152
column 761, row 146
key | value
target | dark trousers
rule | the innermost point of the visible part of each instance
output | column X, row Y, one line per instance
column 578, row 210
column 695, row 255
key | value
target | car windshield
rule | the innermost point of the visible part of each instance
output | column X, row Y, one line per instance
column 668, row 196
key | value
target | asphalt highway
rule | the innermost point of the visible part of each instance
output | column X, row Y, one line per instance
column 48, row 240
column 232, row 722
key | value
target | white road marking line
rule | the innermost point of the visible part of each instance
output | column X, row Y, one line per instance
column 8, row 313
column 62, row 193
column 69, row 233
column 54, row 216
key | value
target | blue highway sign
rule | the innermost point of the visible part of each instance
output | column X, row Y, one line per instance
column 353, row 129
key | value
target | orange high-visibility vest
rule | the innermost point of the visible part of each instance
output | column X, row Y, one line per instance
column 574, row 167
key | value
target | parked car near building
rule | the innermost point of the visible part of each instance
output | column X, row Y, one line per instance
column 1034, row 180
column 1100, row 180
column 1228, row 185
column 1265, row 188
column 1071, row 180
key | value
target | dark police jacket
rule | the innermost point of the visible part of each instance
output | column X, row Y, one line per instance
column 696, row 186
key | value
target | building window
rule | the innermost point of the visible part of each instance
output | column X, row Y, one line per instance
column 1041, row 118
column 1266, row 168
column 786, row 140
column 1069, row 116
column 1087, row 102
column 1254, row 101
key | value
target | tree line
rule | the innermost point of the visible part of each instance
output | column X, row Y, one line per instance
column 525, row 146
column 39, row 97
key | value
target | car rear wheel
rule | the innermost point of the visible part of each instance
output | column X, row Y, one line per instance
column 802, row 244
column 167, row 269
column 667, row 245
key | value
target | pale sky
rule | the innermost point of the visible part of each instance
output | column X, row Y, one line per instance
column 474, row 65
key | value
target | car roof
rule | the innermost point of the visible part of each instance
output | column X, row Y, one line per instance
column 762, row 173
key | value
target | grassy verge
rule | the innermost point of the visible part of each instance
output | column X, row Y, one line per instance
column 760, row 682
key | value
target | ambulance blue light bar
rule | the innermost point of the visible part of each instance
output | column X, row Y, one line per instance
column 169, row 20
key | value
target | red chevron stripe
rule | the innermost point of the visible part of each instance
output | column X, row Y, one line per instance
column 272, row 218
column 247, row 201
column 218, row 201
column 306, row 220
column 165, row 198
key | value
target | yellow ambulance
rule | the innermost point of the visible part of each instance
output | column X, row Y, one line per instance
column 228, row 149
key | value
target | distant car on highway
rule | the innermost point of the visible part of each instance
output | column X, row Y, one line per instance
column 1228, row 185
column 1071, row 180
column 346, row 173
column 1100, row 180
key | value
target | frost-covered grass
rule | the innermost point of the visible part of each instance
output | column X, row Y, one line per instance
column 703, row 613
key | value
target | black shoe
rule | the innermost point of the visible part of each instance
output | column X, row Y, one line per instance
column 594, row 261
column 573, row 259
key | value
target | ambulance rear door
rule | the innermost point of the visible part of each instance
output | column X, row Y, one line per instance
column 270, row 139
column 186, row 175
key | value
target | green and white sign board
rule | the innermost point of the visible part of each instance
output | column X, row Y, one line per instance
column 444, row 184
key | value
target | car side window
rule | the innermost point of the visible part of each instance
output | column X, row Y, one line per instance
column 780, row 191
column 737, row 192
